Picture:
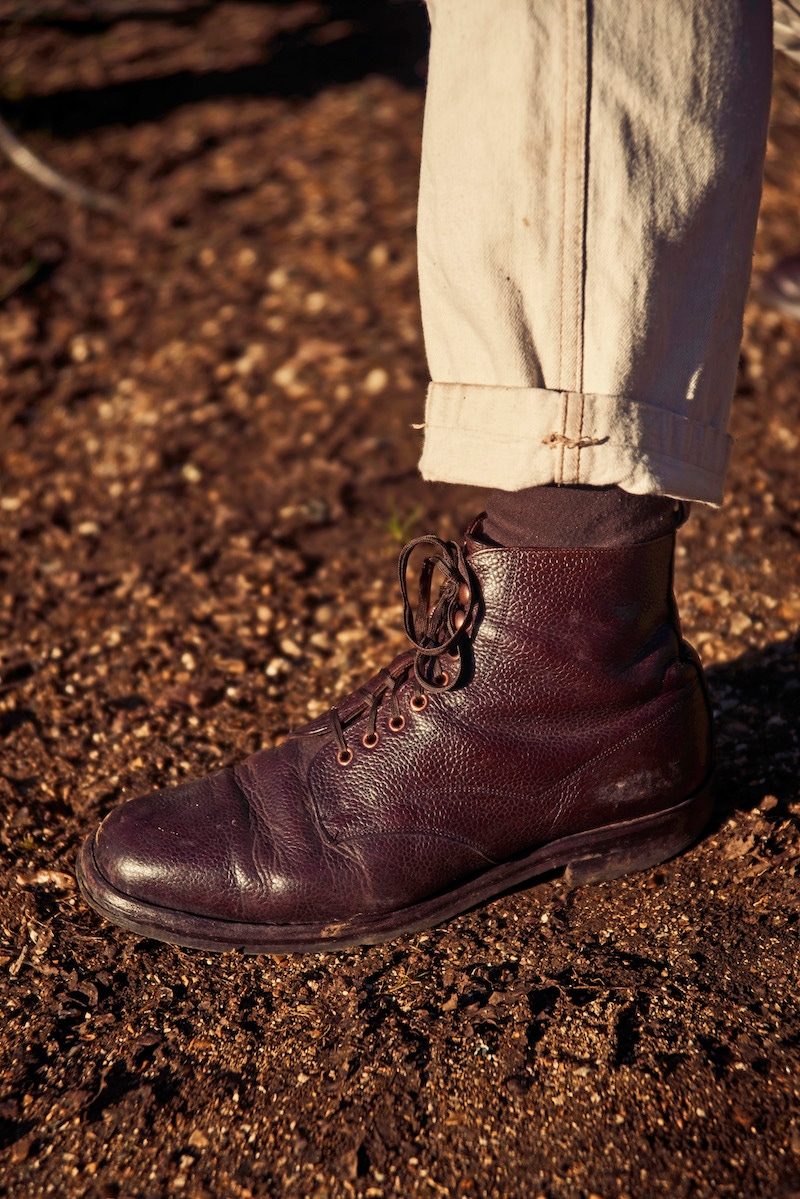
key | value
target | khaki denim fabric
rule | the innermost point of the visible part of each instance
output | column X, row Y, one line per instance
column 591, row 174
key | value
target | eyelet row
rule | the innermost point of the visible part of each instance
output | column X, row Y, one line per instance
column 396, row 724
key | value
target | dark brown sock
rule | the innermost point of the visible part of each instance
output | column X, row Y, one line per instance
column 559, row 516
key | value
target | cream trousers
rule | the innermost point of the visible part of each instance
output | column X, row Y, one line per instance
column 591, row 174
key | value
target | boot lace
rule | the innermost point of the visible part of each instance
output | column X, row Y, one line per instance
column 434, row 629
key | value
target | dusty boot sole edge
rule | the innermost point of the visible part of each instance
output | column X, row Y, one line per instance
column 594, row 856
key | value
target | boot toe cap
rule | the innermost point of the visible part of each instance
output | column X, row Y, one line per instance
column 179, row 848
column 242, row 845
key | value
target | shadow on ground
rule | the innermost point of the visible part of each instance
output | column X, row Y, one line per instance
column 342, row 42
column 756, row 700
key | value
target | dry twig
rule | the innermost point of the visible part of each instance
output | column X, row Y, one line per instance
column 48, row 177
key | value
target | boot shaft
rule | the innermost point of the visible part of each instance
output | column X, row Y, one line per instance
column 570, row 630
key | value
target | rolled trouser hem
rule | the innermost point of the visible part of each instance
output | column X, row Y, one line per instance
column 515, row 437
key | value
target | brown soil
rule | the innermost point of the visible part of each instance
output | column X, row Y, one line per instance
column 208, row 467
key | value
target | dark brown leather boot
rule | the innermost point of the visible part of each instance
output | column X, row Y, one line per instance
column 549, row 716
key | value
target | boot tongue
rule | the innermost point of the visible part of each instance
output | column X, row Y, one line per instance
column 489, row 563
column 473, row 535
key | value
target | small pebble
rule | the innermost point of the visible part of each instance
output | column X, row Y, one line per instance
column 276, row 667
column 290, row 648
column 376, row 381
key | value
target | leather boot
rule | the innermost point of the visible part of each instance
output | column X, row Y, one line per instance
column 549, row 716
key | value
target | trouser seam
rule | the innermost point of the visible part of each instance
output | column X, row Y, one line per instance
column 574, row 207
column 587, row 78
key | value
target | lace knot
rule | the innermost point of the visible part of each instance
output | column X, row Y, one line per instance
column 435, row 627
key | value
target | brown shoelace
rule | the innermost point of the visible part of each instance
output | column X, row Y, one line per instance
column 435, row 631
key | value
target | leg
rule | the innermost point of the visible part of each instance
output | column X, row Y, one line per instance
column 581, row 327
column 590, row 184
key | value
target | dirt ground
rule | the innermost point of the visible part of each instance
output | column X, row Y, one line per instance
column 207, row 467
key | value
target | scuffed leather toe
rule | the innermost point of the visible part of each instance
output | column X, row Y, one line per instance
column 242, row 845
column 182, row 848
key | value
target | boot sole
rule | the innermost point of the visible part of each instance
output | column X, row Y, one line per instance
column 592, row 857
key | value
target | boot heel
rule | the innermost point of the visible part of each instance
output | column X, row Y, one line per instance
column 640, row 844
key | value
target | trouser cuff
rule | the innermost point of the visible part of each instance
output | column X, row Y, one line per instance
column 515, row 437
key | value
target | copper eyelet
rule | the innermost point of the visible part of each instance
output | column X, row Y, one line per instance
column 344, row 757
column 370, row 740
column 418, row 703
column 445, row 679
column 397, row 723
